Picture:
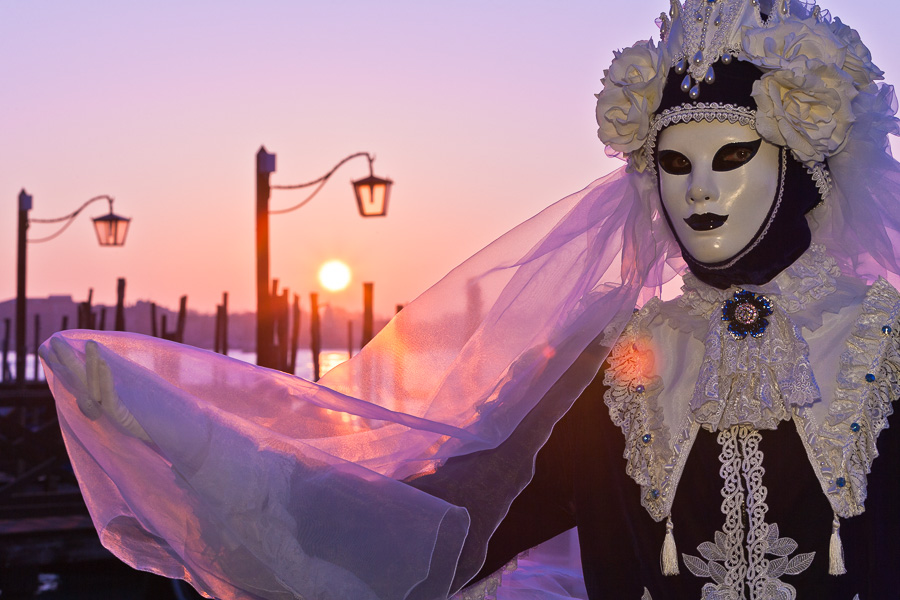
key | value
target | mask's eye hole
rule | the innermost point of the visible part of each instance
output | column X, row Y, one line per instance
column 732, row 156
column 674, row 163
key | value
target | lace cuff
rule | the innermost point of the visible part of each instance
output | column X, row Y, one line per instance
column 486, row 589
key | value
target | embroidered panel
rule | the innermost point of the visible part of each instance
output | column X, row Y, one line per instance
column 655, row 455
column 842, row 448
column 748, row 552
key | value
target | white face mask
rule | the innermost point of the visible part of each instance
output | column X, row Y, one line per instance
column 717, row 182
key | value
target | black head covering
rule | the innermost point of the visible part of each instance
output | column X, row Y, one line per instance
column 785, row 234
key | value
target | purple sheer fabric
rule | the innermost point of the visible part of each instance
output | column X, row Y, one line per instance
column 251, row 483
column 257, row 484
column 859, row 223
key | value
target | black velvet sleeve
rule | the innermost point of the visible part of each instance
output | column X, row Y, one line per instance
column 544, row 509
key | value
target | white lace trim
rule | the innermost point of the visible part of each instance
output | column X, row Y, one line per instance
column 759, row 380
column 834, row 448
column 726, row 563
column 755, row 380
column 808, row 280
column 653, row 458
column 486, row 589
column 699, row 111
column 842, row 448
column 718, row 112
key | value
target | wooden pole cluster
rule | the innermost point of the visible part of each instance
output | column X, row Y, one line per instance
column 174, row 335
column 86, row 317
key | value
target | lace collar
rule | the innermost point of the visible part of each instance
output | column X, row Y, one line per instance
column 839, row 436
column 801, row 286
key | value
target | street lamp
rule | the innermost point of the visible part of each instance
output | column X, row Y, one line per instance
column 111, row 230
column 372, row 195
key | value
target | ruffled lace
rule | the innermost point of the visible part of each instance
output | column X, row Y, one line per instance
column 753, row 380
column 810, row 279
column 842, row 447
column 759, row 380
column 762, row 381
column 653, row 458
column 486, row 589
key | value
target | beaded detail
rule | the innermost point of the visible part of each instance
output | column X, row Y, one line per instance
column 746, row 313
column 842, row 446
column 654, row 460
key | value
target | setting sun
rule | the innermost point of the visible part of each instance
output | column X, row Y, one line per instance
column 334, row 275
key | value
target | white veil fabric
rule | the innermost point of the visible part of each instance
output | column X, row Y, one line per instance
column 252, row 483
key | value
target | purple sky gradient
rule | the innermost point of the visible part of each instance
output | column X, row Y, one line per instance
column 481, row 112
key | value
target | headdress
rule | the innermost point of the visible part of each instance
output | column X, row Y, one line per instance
column 813, row 70
column 818, row 96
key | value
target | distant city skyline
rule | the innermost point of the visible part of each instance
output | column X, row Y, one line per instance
column 481, row 112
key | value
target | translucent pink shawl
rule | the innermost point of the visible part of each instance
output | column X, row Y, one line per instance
column 257, row 484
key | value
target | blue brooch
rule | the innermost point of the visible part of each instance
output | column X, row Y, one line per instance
column 746, row 313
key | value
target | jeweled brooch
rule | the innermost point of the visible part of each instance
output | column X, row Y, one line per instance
column 746, row 313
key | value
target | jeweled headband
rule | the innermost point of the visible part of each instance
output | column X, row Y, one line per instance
column 812, row 69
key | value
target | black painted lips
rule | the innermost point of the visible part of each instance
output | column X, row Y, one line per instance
column 706, row 221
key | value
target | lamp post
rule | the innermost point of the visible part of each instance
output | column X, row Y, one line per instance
column 372, row 195
column 111, row 231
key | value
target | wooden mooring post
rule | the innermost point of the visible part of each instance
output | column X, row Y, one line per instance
column 368, row 314
column 315, row 333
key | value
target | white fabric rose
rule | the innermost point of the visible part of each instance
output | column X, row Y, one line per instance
column 806, row 107
column 776, row 47
column 858, row 61
column 632, row 89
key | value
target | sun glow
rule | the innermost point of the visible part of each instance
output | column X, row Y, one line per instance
column 334, row 275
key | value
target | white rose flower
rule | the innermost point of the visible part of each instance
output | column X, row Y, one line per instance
column 776, row 47
column 806, row 107
column 632, row 89
column 858, row 61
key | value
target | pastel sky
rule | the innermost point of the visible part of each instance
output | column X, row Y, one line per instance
column 481, row 112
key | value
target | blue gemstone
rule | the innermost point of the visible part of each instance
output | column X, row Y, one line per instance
column 654, row 493
column 841, row 482
column 870, row 378
column 854, row 427
column 886, row 330
column 639, row 389
column 646, row 438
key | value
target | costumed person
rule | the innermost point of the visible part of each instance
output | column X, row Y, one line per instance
column 495, row 410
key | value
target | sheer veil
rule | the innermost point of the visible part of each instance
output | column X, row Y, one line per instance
column 256, row 484
column 252, row 483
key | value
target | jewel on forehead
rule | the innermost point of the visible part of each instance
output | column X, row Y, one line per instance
column 704, row 31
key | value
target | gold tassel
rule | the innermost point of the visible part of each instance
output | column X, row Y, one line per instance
column 836, row 550
column 669, row 557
